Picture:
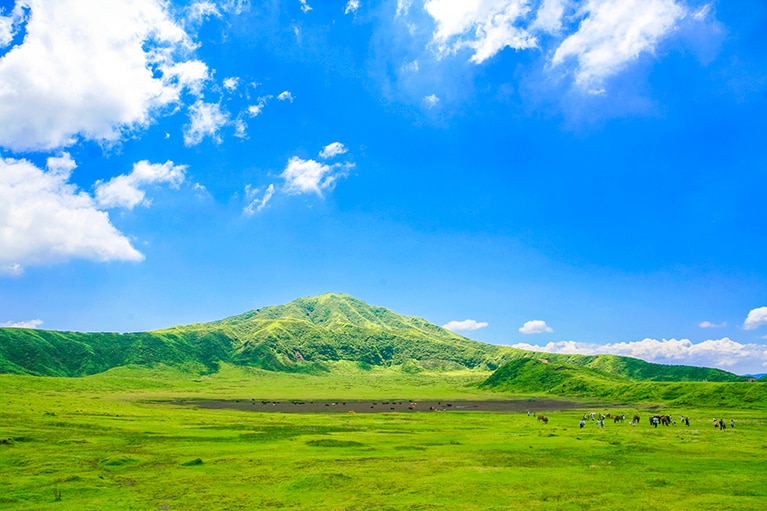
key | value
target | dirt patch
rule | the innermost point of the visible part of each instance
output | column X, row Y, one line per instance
column 386, row 406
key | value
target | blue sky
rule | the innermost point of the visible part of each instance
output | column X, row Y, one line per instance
column 574, row 176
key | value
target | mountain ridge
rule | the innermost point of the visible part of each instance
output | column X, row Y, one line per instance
column 305, row 335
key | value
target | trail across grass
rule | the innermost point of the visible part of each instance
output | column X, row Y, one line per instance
column 115, row 441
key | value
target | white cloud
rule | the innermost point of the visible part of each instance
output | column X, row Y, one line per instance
column 614, row 33
column 709, row 324
column 332, row 150
column 310, row 176
column 126, row 191
column 256, row 205
column 549, row 16
column 255, row 110
column 33, row 323
column 206, row 119
column 230, row 83
column 756, row 318
column 483, row 26
column 9, row 24
column 11, row 270
column 92, row 70
column 466, row 324
column 45, row 219
column 305, row 6
column 352, row 6
column 431, row 100
column 403, row 7
column 240, row 128
column 535, row 326
column 285, row 96
column 702, row 13
column 410, row 67
column 198, row 11
column 721, row 353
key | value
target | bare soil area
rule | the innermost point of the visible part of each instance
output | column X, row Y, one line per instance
column 386, row 406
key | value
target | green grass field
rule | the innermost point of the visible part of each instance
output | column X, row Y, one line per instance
column 114, row 441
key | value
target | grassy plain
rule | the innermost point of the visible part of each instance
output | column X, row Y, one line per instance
column 113, row 441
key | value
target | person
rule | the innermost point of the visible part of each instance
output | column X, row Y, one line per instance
column 582, row 423
column 687, row 421
column 732, row 423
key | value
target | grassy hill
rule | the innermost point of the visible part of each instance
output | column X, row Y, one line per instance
column 311, row 334
column 303, row 335
column 627, row 380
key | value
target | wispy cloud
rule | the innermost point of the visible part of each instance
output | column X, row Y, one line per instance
column 431, row 100
column 721, row 353
column 466, row 324
column 205, row 120
column 231, row 83
column 590, row 41
column 126, row 190
column 535, row 326
column 285, row 96
column 352, row 6
column 709, row 324
column 33, row 323
column 255, row 201
column 484, row 28
column 305, row 6
column 614, row 33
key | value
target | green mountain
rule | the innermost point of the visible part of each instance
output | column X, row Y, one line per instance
column 309, row 334
column 303, row 335
column 620, row 379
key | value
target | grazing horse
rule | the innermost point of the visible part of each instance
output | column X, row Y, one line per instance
column 636, row 418
column 543, row 419
column 619, row 418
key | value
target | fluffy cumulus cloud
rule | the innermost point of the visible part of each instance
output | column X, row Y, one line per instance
column 332, row 150
column 45, row 219
column 592, row 39
column 614, row 33
column 127, row 190
column 92, row 70
column 310, row 176
column 33, row 323
column 305, row 7
column 756, row 318
column 721, row 353
column 535, row 326
column 205, row 120
column 465, row 325
column 285, row 96
column 485, row 27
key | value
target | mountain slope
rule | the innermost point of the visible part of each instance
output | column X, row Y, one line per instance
column 332, row 327
column 300, row 336
column 309, row 334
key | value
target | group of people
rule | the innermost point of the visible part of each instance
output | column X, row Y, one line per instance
column 719, row 423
